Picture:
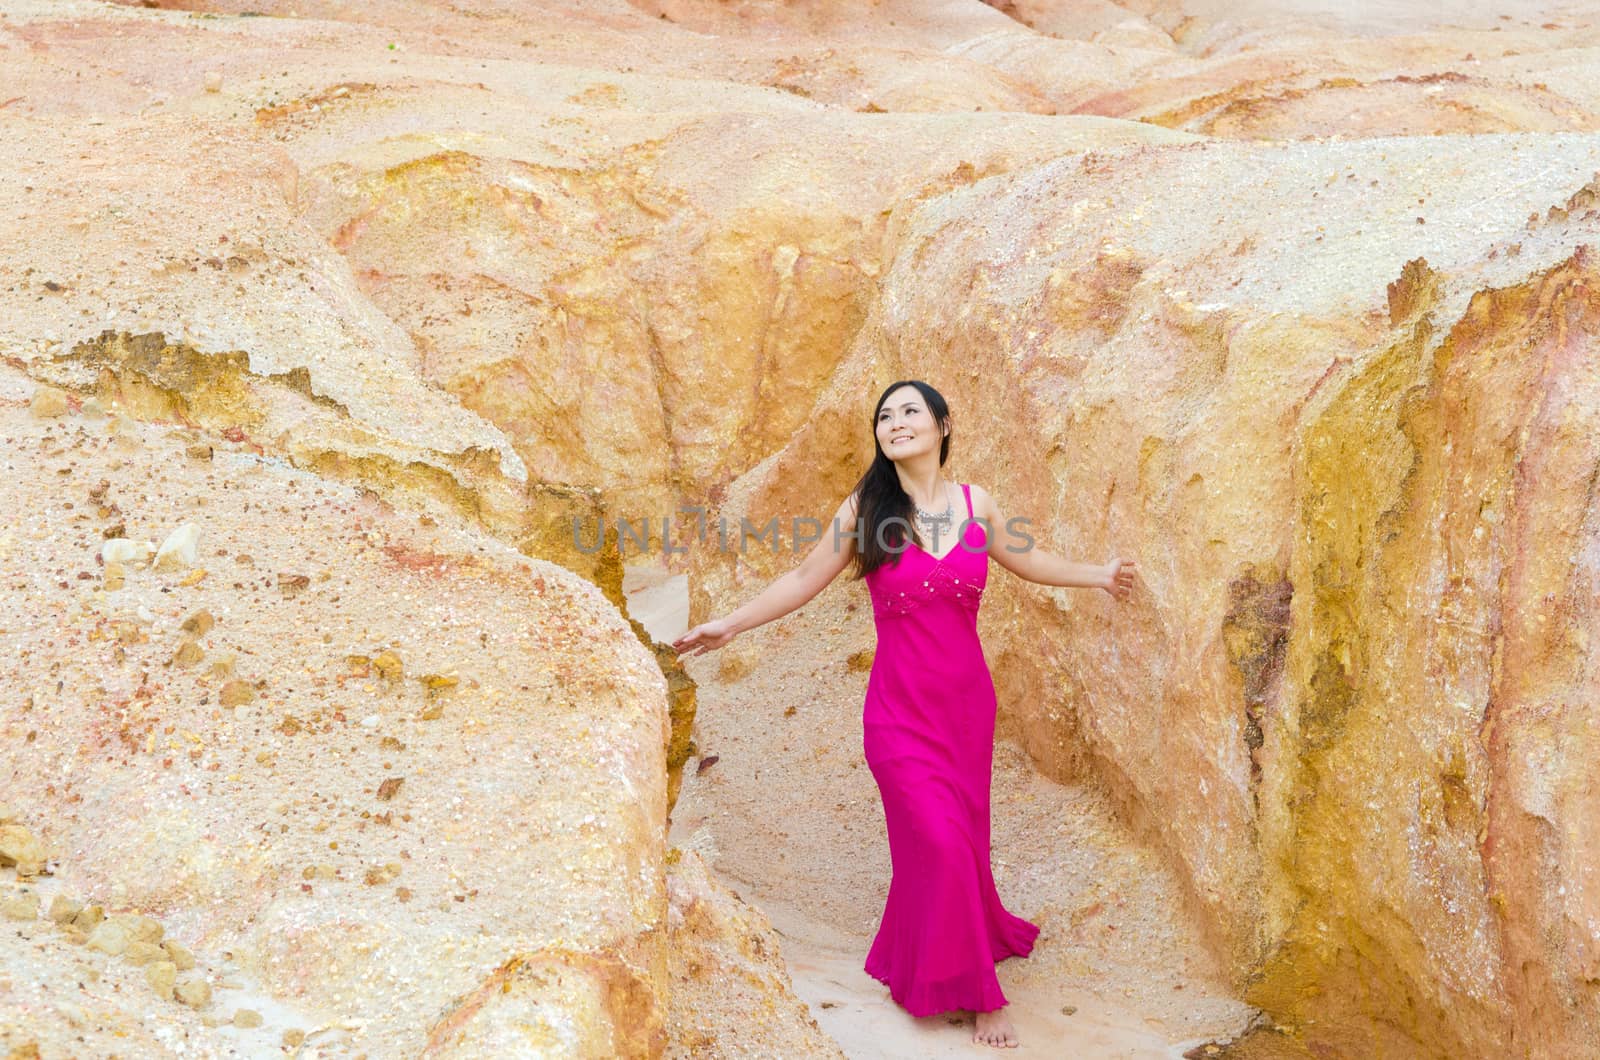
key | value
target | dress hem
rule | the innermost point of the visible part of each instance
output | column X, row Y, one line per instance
column 930, row 1001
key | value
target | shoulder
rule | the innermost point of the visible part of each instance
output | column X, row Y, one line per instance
column 983, row 505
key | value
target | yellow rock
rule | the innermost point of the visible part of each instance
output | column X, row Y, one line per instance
column 48, row 402
column 388, row 665
column 236, row 693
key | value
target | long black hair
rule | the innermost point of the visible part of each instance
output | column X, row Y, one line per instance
column 879, row 495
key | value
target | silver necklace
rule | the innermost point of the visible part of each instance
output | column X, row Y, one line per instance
column 944, row 520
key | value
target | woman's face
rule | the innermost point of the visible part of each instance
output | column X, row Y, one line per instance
column 906, row 427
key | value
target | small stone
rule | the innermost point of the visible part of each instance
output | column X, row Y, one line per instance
column 188, row 654
column 74, row 934
column 178, row 955
column 110, row 938
column 1067, row 1010
column 199, row 451
column 180, row 549
column 293, row 584
column 377, row 877
column 90, row 917
column 196, row 993
column 388, row 666
column 162, row 977
column 293, row 1037
column 247, row 1018
column 389, row 788
column 438, row 684
column 194, row 577
column 48, row 403
column 402, row 894
column 24, row 906
column 64, row 910
column 236, row 693
column 140, row 928
column 115, row 577
column 25, row 1051
column 199, row 624
column 140, row 954
column 19, row 847
column 432, row 712
column 222, row 665
column 124, row 551
column 212, row 81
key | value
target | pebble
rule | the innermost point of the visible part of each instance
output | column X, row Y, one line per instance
column 48, row 403
column 188, row 654
column 109, row 938
column 64, row 910
column 162, row 977
column 236, row 693
column 388, row 666
column 196, row 993
column 180, row 549
column 247, row 1018
column 140, row 954
column 20, row 848
column 181, row 958
column 24, row 906
column 140, row 928
column 123, row 551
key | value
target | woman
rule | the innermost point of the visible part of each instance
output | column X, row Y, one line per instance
column 928, row 723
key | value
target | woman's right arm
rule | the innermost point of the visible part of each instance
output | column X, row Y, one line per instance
column 787, row 592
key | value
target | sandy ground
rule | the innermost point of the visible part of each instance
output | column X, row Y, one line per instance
column 789, row 817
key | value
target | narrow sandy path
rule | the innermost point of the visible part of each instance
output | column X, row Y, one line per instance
column 789, row 817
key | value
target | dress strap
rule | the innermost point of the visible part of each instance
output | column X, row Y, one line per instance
column 966, row 491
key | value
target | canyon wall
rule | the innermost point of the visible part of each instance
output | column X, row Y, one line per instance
column 1292, row 302
column 1340, row 417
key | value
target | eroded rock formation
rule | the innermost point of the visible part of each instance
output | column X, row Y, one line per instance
column 378, row 299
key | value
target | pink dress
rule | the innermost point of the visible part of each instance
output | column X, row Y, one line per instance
column 928, row 734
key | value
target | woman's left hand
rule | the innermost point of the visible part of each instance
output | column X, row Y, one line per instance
column 1119, row 578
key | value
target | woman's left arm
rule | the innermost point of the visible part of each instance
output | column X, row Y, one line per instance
column 1014, row 550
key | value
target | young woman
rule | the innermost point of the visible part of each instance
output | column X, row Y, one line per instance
column 928, row 725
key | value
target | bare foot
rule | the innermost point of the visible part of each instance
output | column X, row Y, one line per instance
column 994, row 1028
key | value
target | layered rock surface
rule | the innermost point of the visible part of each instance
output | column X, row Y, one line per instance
column 349, row 749
column 506, row 265
column 1346, row 699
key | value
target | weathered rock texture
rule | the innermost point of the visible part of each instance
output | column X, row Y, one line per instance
column 394, row 761
column 1227, row 271
column 1349, row 450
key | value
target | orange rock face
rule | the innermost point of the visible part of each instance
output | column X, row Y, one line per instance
column 346, row 304
column 1346, row 699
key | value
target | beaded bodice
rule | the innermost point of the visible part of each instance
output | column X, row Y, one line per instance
column 918, row 578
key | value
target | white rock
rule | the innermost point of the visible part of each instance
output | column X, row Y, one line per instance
column 122, row 550
column 179, row 549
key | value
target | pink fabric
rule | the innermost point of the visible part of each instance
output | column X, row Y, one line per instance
column 928, row 734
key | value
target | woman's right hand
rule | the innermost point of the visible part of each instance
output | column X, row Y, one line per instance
column 707, row 636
